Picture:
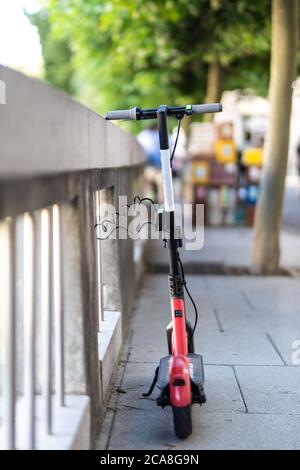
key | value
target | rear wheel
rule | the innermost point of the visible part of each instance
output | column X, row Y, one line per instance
column 182, row 421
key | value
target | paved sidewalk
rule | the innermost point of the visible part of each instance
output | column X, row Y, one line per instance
column 291, row 206
column 230, row 247
column 246, row 329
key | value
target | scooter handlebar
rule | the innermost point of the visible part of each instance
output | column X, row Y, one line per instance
column 206, row 108
column 124, row 114
column 175, row 111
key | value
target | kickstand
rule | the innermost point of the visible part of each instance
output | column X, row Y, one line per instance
column 153, row 384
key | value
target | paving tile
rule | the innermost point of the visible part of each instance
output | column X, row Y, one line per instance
column 282, row 327
column 153, row 430
column 248, row 322
column 220, row 283
column 242, row 342
column 286, row 341
column 274, row 298
column 231, row 246
column 230, row 298
column 221, row 389
column 270, row 389
column 248, row 346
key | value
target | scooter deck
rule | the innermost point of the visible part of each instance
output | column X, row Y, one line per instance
column 196, row 370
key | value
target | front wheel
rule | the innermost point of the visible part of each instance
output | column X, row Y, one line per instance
column 182, row 421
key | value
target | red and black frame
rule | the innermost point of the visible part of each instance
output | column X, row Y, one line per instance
column 180, row 375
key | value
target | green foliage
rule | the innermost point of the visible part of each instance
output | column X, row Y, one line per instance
column 58, row 67
column 131, row 52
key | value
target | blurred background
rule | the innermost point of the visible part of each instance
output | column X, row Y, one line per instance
column 124, row 53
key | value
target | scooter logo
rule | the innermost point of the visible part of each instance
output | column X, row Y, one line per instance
column 178, row 313
column 295, row 357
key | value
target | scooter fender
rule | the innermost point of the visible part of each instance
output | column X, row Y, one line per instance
column 179, row 381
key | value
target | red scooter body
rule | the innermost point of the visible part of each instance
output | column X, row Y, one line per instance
column 180, row 382
column 179, row 373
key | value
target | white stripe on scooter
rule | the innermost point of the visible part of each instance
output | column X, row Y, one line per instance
column 167, row 180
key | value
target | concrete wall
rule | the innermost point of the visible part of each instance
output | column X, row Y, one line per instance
column 55, row 151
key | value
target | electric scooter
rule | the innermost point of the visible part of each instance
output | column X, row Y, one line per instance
column 180, row 375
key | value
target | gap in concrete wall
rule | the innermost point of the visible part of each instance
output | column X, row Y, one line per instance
column 109, row 251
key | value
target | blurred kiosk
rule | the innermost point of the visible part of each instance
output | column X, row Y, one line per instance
column 211, row 175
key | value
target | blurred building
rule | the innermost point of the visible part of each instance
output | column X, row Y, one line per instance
column 250, row 115
column 223, row 168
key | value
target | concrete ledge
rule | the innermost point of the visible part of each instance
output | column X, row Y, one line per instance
column 71, row 425
column 109, row 345
column 50, row 124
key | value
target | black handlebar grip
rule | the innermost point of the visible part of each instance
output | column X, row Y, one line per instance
column 206, row 108
column 124, row 114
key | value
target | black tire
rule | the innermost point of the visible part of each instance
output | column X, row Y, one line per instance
column 182, row 421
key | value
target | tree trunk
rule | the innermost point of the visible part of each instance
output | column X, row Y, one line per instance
column 266, row 250
column 214, row 85
column 214, row 75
